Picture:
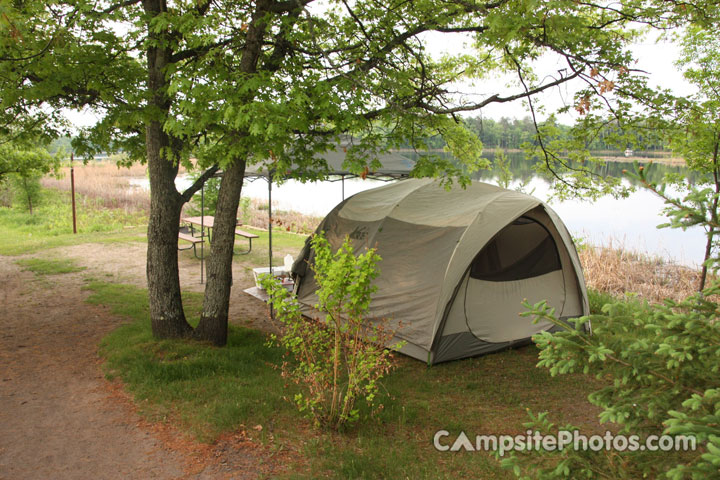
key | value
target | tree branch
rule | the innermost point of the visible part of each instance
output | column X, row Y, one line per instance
column 197, row 184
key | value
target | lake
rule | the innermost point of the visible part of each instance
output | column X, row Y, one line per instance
column 630, row 222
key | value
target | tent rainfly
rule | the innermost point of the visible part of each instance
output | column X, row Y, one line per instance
column 456, row 265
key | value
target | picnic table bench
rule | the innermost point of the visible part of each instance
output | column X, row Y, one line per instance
column 188, row 234
column 188, row 237
column 247, row 235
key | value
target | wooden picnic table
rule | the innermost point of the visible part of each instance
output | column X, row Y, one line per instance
column 208, row 221
column 204, row 221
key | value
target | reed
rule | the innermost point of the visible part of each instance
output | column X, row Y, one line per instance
column 613, row 269
column 286, row 220
column 106, row 182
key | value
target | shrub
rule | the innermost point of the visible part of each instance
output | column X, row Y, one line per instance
column 205, row 203
column 27, row 189
column 340, row 357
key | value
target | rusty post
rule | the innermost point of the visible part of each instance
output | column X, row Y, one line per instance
column 72, row 191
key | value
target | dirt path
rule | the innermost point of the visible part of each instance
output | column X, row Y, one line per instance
column 59, row 417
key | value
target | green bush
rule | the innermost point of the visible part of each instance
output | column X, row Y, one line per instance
column 339, row 358
column 26, row 189
column 204, row 203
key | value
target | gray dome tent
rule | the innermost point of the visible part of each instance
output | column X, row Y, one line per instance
column 456, row 264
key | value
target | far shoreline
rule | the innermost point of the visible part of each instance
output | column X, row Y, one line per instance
column 617, row 156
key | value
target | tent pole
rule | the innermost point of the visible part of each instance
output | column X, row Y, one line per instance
column 343, row 186
column 202, row 233
column 270, row 249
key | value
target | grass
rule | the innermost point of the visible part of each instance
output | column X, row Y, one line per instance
column 46, row 266
column 109, row 186
column 50, row 225
column 288, row 221
column 208, row 391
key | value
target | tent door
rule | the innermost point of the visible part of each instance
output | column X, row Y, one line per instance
column 520, row 262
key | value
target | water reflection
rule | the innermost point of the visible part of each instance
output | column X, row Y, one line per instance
column 629, row 222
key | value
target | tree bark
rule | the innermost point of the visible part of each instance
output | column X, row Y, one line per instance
column 167, row 316
column 213, row 324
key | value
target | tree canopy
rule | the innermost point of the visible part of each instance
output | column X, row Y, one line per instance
column 272, row 81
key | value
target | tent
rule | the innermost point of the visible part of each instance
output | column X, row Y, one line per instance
column 456, row 264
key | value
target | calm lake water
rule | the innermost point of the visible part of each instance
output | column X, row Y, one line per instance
column 630, row 223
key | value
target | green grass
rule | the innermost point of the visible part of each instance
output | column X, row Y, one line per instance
column 48, row 266
column 483, row 395
column 208, row 391
column 50, row 225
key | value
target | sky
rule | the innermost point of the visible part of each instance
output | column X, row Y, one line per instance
column 657, row 59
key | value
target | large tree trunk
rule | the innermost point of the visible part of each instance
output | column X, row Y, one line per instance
column 166, row 311
column 214, row 320
column 213, row 324
column 167, row 317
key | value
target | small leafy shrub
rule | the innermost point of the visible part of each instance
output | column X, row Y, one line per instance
column 6, row 193
column 339, row 358
column 27, row 189
column 244, row 213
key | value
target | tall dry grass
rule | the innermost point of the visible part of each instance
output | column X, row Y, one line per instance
column 105, row 181
column 616, row 270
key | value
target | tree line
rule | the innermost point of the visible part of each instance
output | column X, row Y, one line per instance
column 514, row 134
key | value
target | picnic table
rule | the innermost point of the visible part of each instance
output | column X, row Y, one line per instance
column 208, row 222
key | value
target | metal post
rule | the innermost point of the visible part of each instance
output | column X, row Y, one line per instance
column 343, row 186
column 202, row 233
column 72, row 191
column 270, row 220
column 270, row 254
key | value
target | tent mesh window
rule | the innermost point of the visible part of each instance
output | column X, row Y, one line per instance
column 523, row 249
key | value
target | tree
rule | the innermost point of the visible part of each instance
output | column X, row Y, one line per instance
column 24, row 160
column 658, row 362
column 694, row 133
column 631, row 113
column 277, row 82
column 363, row 69
column 23, row 165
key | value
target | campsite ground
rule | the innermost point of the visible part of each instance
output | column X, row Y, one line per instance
column 86, row 392
column 61, row 418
